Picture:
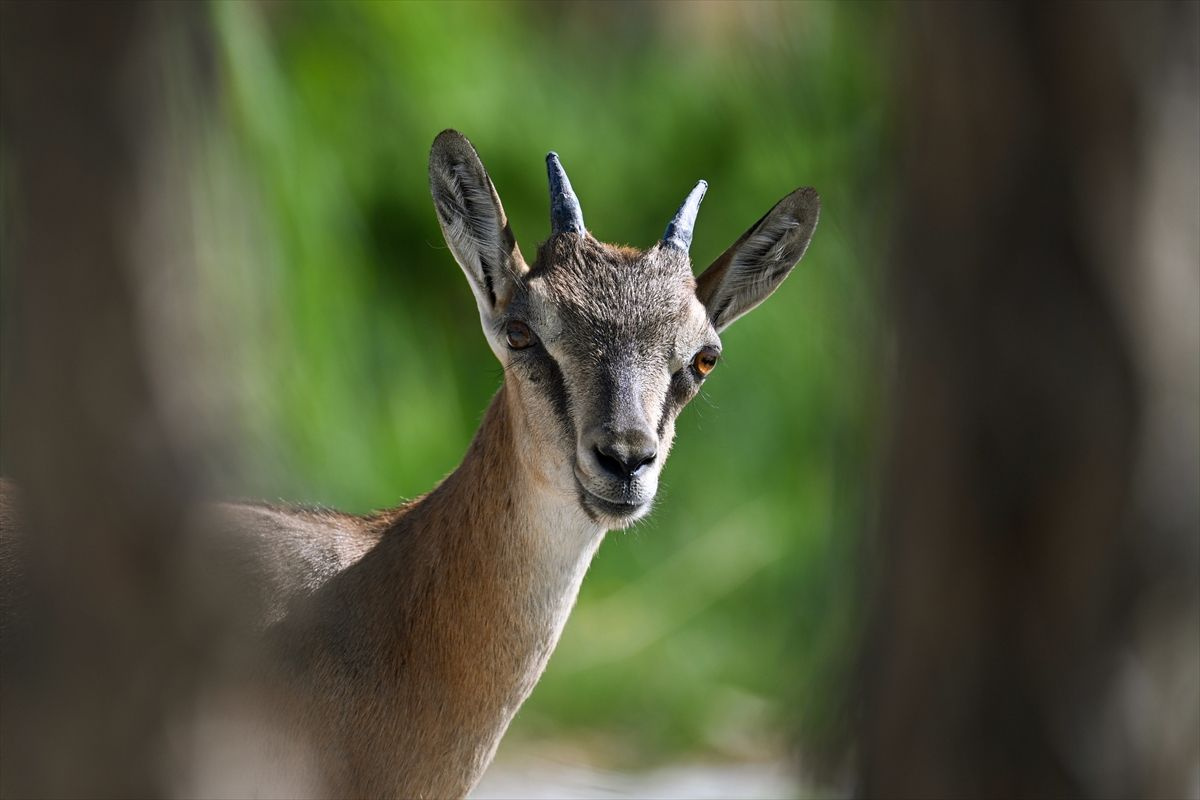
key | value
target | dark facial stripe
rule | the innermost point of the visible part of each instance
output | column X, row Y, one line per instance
column 556, row 388
column 663, row 415
column 673, row 400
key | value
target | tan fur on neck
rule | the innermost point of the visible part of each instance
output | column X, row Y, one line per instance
column 404, row 670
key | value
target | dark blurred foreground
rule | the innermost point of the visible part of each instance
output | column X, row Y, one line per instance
column 1038, row 560
column 1033, row 567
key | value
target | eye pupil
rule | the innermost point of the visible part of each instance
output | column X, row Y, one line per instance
column 704, row 362
column 518, row 336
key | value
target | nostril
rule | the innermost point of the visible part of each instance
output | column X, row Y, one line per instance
column 610, row 463
column 640, row 461
column 621, row 465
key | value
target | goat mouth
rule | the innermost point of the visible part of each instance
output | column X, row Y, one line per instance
column 597, row 506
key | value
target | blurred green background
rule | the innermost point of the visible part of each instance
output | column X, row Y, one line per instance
column 720, row 629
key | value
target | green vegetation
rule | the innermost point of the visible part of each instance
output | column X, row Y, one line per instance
column 720, row 627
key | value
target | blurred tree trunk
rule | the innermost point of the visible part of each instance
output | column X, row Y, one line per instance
column 1038, row 548
column 101, row 675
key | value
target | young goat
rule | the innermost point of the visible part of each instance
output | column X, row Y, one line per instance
column 404, row 642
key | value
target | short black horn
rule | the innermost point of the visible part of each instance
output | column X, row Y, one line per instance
column 565, row 214
column 679, row 231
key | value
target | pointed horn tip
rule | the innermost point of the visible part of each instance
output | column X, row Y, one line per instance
column 697, row 192
column 565, row 214
column 679, row 231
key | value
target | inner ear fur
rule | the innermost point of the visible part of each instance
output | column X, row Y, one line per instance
column 754, row 266
column 473, row 221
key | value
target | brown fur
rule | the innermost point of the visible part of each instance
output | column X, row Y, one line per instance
column 400, row 645
column 403, row 670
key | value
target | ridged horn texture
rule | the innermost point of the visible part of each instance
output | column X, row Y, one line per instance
column 565, row 214
column 679, row 231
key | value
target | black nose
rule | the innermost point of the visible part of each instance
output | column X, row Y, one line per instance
column 625, row 461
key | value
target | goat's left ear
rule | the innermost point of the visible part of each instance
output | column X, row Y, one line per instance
column 757, row 263
column 473, row 221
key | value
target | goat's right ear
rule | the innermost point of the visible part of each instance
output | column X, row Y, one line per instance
column 473, row 221
column 757, row 263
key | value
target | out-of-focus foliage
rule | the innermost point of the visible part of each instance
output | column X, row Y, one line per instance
column 359, row 372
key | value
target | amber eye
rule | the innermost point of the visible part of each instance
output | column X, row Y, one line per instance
column 518, row 336
column 704, row 361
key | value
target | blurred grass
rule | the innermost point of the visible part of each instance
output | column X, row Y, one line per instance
column 720, row 626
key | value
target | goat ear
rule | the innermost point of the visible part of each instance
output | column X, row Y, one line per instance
column 757, row 263
column 473, row 221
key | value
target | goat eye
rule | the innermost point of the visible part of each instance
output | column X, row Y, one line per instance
column 704, row 361
column 518, row 336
